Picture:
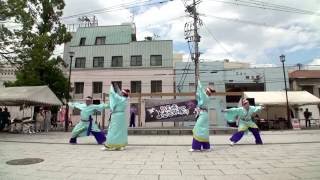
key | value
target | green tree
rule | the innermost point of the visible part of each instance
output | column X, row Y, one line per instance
column 40, row 32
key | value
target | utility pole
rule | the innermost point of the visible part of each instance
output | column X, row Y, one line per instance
column 191, row 35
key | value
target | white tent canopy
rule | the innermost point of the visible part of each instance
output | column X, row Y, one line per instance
column 279, row 97
column 28, row 95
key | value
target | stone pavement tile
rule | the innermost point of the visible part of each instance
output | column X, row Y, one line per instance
column 233, row 162
column 18, row 171
column 170, row 159
column 54, row 175
column 281, row 176
column 295, row 160
column 17, row 177
column 161, row 163
column 129, row 162
column 228, row 177
column 270, row 157
column 135, row 177
column 266, row 161
column 160, row 172
column 279, row 165
column 242, row 171
column 81, row 176
column 113, row 166
column 201, row 172
column 250, row 166
column 120, row 171
column 310, row 168
column 305, row 175
column 165, row 177
column 222, row 166
column 313, row 163
column 150, row 166
column 169, row 166
column 92, row 164
column 281, row 170
column 51, row 168
column 204, row 162
column 186, row 160
column 217, row 158
column 82, row 170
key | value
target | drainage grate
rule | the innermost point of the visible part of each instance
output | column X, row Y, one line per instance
column 25, row 161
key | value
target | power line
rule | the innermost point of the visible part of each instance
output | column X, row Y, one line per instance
column 264, row 4
column 268, row 7
column 116, row 8
column 108, row 9
column 253, row 23
column 218, row 42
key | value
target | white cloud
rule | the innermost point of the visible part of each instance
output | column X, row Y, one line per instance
column 314, row 64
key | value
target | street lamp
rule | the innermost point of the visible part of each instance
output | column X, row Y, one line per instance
column 283, row 59
column 71, row 54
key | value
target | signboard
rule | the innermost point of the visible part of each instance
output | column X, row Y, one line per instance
column 170, row 110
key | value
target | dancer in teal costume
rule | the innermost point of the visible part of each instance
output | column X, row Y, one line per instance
column 86, row 126
column 201, row 128
column 246, row 123
column 117, row 137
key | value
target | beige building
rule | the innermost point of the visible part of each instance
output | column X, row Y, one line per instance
column 106, row 54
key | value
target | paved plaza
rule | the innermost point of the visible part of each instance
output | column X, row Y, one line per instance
column 285, row 155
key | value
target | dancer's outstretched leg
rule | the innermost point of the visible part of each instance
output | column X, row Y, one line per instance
column 236, row 137
column 196, row 145
column 256, row 133
column 100, row 137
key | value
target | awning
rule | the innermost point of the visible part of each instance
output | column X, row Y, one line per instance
column 28, row 95
column 279, row 97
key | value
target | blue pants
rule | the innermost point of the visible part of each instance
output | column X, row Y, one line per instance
column 196, row 145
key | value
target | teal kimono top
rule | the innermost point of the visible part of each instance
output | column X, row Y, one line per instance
column 244, row 116
column 82, row 127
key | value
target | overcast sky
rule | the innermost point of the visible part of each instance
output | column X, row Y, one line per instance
column 229, row 31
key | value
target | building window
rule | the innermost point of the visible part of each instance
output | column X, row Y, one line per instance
column 96, row 87
column 82, row 42
column 80, row 63
column 116, row 61
column 156, row 60
column 156, row 86
column 233, row 99
column 136, row 61
column 78, row 87
column 100, row 40
column 192, row 87
column 136, row 86
column 119, row 83
column 98, row 62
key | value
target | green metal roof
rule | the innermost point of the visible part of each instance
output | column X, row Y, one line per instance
column 118, row 34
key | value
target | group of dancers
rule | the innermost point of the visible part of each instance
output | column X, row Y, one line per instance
column 117, row 135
